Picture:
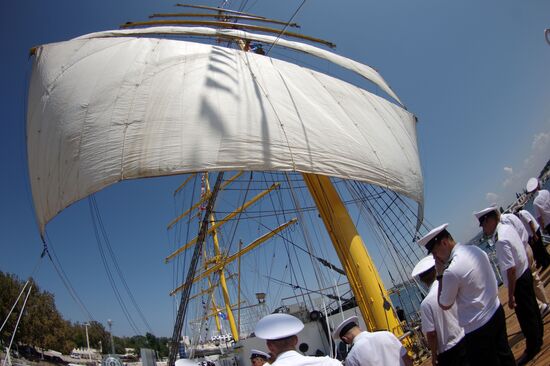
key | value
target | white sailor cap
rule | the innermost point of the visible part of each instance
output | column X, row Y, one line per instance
column 432, row 237
column 257, row 353
column 185, row 362
column 424, row 265
column 532, row 184
column 345, row 326
column 480, row 215
column 278, row 326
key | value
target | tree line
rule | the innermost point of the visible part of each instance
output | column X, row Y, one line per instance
column 43, row 326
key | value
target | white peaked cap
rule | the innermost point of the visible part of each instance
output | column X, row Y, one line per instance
column 485, row 211
column 432, row 234
column 425, row 264
column 185, row 362
column 336, row 333
column 258, row 353
column 278, row 326
column 532, row 184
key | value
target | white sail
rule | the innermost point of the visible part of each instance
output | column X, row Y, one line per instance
column 106, row 109
column 362, row 70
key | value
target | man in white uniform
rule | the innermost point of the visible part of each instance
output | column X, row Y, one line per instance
column 259, row 358
column 279, row 331
column 466, row 278
column 534, row 242
column 516, row 222
column 541, row 203
column 542, row 258
column 445, row 336
column 513, row 263
column 371, row 348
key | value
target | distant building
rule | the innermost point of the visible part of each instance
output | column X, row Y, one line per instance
column 83, row 353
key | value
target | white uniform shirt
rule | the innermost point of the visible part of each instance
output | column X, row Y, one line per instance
column 513, row 220
column 443, row 322
column 541, row 205
column 470, row 281
column 510, row 251
column 526, row 218
column 376, row 349
column 293, row 358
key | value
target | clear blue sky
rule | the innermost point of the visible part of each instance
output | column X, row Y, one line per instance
column 475, row 73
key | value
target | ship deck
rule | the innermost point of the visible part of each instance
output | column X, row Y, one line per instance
column 515, row 337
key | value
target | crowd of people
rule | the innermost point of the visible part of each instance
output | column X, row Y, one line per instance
column 462, row 316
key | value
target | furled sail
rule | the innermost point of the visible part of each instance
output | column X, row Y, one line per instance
column 101, row 110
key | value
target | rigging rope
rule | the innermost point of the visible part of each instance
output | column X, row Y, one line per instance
column 321, row 283
column 384, row 231
column 285, row 27
column 239, row 215
column 108, row 271
column 292, row 270
column 117, row 267
column 64, row 279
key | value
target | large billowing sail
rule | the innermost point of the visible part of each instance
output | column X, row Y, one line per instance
column 102, row 110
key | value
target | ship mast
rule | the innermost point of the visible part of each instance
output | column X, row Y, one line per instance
column 370, row 293
column 184, row 300
column 367, row 286
column 221, row 273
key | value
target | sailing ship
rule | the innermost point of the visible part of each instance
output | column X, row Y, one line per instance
column 281, row 160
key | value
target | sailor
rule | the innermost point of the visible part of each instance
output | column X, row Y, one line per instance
column 541, row 203
column 531, row 230
column 540, row 293
column 513, row 263
column 371, row 348
column 259, row 358
column 542, row 258
column 445, row 336
column 466, row 278
column 280, row 332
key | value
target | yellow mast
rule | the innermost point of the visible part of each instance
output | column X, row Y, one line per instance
column 369, row 291
column 215, row 308
column 226, row 219
column 220, row 263
column 223, row 283
column 205, row 198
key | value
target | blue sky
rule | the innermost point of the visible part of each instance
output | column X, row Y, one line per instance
column 474, row 73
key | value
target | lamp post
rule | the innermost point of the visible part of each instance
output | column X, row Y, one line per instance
column 110, row 322
column 86, row 325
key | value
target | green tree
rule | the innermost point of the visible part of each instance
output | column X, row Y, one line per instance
column 10, row 287
column 41, row 324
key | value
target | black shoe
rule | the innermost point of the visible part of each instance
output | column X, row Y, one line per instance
column 526, row 357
